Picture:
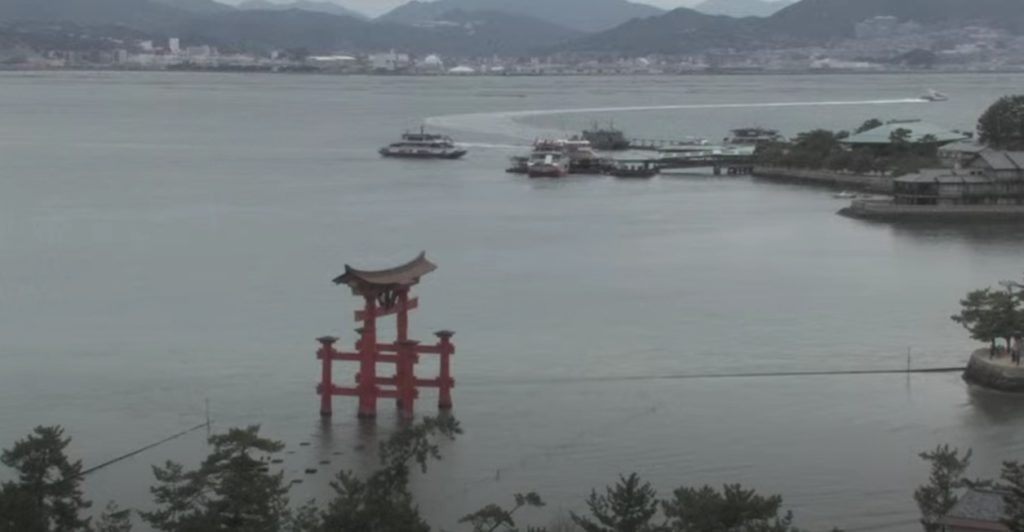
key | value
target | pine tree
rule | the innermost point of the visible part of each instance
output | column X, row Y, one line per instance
column 382, row 502
column 1002, row 124
column 629, row 506
column 114, row 519
column 1013, row 478
column 231, row 490
column 47, row 495
column 494, row 518
column 936, row 498
column 733, row 509
column 977, row 317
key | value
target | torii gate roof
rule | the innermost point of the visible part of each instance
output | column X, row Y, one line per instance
column 366, row 281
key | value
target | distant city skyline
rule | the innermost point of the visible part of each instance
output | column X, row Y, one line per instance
column 379, row 7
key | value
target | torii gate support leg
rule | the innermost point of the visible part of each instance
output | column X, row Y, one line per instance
column 406, row 377
column 445, row 381
column 401, row 336
column 326, row 387
column 367, row 384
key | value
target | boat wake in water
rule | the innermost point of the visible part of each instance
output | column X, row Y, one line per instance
column 505, row 122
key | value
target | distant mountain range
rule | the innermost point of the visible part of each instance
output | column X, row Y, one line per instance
column 678, row 31
column 17, row 39
column 485, row 27
column 477, row 33
column 139, row 14
column 823, row 20
column 306, row 5
column 196, row 6
column 742, row 8
column 579, row 15
column 809, row 22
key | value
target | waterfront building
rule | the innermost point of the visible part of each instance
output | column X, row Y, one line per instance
column 828, row 63
column 149, row 60
column 333, row 62
column 939, row 187
column 956, row 154
column 174, row 45
column 977, row 510
column 991, row 178
column 998, row 164
column 991, row 185
column 388, row 61
column 431, row 64
column 199, row 52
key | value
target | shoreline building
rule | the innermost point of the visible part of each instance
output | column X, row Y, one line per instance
column 991, row 178
column 432, row 64
column 991, row 185
column 956, row 154
column 389, row 61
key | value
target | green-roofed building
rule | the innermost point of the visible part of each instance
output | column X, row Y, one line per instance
column 919, row 132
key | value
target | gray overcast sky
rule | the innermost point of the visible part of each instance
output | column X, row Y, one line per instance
column 376, row 7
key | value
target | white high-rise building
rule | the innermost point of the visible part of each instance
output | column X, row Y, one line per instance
column 390, row 61
column 174, row 45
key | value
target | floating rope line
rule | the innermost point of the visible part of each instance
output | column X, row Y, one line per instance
column 203, row 425
column 743, row 375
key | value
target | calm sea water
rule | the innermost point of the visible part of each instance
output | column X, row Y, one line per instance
column 170, row 238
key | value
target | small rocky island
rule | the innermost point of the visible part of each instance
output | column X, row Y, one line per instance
column 995, row 317
column 998, row 372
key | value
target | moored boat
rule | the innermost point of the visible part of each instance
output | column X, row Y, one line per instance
column 642, row 169
column 753, row 137
column 582, row 159
column 423, row 145
column 606, row 139
column 580, row 154
column 518, row 164
column 548, row 163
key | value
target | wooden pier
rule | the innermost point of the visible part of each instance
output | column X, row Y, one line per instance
column 657, row 144
column 720, row 164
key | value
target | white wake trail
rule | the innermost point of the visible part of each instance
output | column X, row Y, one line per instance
column 505, row 123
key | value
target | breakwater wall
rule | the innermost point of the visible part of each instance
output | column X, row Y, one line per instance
column 869, row 183
column 996, row 373
column 886, row 210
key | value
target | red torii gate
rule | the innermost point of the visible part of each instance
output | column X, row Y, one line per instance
column 386, row 292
